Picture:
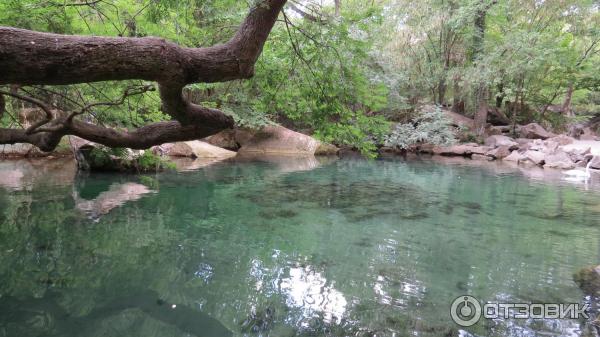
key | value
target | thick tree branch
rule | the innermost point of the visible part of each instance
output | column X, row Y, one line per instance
column 30, row 58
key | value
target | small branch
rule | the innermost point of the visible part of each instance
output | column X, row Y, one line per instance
column 128, row 92
column 42, row 105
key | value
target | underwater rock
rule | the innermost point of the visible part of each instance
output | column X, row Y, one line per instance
column 588, row 279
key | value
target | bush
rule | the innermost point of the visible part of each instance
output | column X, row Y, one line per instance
column 431, row 126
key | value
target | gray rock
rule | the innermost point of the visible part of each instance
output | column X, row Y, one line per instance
column 198, row 149
column 500, row 152
column 481, row 157
column 559, row 160
column 535, row 157
column 499, row 140
column 595, row 163
column 562, row 140
column 461, row 150
column 535, row 131
column 275, row 139
column 515, row 156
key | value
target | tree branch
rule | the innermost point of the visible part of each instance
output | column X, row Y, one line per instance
column 35, row 58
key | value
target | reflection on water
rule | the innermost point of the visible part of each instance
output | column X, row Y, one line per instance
column 117, row 195
column 282, row 247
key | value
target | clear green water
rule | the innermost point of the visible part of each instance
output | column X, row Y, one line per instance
column 349, row 248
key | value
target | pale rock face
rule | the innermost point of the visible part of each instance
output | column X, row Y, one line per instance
column 198, row 149
column 275, row 139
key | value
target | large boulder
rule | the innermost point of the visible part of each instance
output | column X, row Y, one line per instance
column 535, row 131
column 499, row 140
column 275, row 139
column 595, row 163
column 198, row 149
column 559, row 160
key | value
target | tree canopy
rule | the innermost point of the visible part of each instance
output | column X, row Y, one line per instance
column 134, row 74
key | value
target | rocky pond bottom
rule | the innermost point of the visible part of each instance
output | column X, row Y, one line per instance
column 342, row 248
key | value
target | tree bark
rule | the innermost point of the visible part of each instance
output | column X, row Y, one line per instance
column 34, row 58
column 566, row 108
column 338, row 7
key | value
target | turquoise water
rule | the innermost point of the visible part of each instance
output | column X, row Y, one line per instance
column 288, row 248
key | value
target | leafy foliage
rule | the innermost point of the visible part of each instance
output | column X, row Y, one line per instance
column 431, row 126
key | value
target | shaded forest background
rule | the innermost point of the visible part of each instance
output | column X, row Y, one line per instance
column 346, row 70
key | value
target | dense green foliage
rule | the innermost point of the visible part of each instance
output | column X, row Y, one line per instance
column 344, row 76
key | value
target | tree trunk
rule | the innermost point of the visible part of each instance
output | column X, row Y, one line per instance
column 566, row 108
column 34, row 58
column 480, row 120
column 338, row 7
column 458, row 104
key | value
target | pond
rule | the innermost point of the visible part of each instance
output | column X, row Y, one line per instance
column 284, row 247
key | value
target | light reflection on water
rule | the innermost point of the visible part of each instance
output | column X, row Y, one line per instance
column 282, row 247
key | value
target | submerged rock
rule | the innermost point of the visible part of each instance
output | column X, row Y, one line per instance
column 588, row 279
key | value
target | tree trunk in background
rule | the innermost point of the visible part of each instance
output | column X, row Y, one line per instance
column 441, row 91
column 566, row 108
column 481, row 115
column 458, row 104
column 338, row 7
column 482, row 91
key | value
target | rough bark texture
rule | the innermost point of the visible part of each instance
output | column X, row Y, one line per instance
column 34, row 58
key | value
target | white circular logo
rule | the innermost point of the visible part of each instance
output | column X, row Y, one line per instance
column 465, row 310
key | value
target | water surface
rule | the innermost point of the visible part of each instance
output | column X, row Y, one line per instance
column 288, row 248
